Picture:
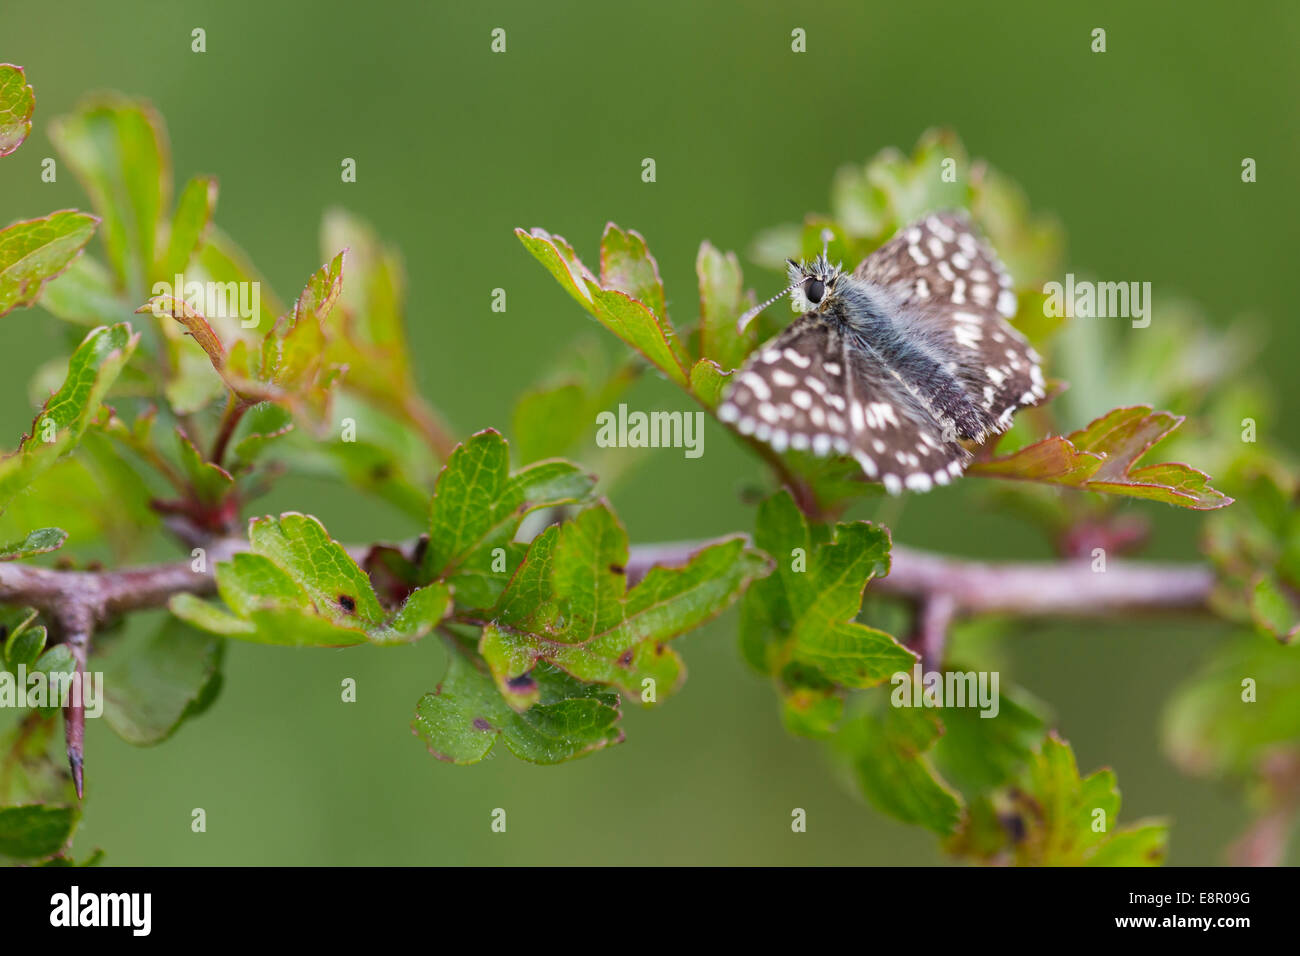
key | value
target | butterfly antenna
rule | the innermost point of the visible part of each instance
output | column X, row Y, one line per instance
column 749, row 316
column 827, row 238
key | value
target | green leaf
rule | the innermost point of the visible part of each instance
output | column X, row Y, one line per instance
column 892, row 190
column 34, row 762
column 708, row 381
column 293, row 356
column 117, row 148
column 375, row 295
column 1142, row 844
column 568, row 605
column 95, row 859
column 389, row 462
column 1241, row 712
column 290, row 365
column 1274, row 611
column 1101, row 457
column 366, row 330
column 462, row 721
column 60, row 424
column 85, row 295
column 300, row 587
column 626, row 265
column 260, row 429
column 978, row 753
column 194, row 210
column 870, row 203
column 57, row 660
column 151, row 687
column 209, row 617
column 555, row 253
column 301, row 546
column 1073, row 821
column 222, row 261
column 887, row 749
column 805, row 613
column 35, row 251
column 42, row 541
column 722, row 302
column 549, row 422
column 33, row 832
column 210, row 483
column 635, row 322
column 96, row 495
column 25, row 646
column 17, row 103
column 478, row 503
column 811, row 705
column 1255, row 549
column 555, row 418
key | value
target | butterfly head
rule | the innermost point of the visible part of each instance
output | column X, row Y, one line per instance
column 812, row 285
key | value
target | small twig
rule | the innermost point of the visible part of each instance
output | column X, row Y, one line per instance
column 934, row 616
column 802, row 492
column 439, row 437
column 73, row 624
column 230, row 418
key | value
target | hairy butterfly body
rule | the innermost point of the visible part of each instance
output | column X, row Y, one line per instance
column 895, row 363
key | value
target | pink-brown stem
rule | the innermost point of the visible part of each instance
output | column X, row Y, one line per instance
column 942, row 588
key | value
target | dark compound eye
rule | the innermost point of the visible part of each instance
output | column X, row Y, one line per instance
column 814, row 289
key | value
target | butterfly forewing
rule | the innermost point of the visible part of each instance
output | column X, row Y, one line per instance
column 957, row 292
column 792, row 392
column 805, row 390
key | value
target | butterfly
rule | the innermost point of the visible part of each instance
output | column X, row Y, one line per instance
column 896, row 363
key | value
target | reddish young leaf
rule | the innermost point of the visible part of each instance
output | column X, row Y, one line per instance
column 1101, row 457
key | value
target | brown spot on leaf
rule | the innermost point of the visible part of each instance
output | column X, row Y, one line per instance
column 625, row 659
column 348, row 603
column 481, row 724
column 618, row 569
column 521, row 683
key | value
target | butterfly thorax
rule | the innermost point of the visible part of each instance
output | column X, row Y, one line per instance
column 871, row 320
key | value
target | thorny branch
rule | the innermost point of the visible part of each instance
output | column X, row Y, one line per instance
column 942, row 589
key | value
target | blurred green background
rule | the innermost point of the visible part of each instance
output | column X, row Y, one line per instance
column 1137, row 150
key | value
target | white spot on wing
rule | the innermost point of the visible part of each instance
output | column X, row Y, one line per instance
column 798, row 359
column 757, row 385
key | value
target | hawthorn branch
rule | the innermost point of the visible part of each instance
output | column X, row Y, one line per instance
column 942, row 589
column 1069, row 588
column 1060, row 588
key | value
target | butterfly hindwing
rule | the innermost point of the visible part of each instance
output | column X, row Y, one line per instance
column 895, row 440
